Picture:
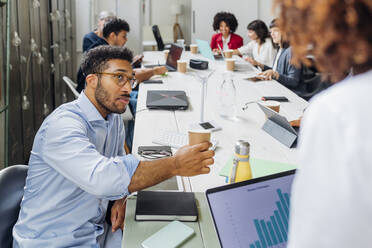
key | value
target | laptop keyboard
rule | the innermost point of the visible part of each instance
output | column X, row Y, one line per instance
column 176, row 139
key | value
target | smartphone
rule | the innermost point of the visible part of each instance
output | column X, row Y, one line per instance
column 275, row 98
column 254, row 79
column 153, row 82
column 137, row 62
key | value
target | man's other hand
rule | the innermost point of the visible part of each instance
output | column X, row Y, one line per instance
column 118, row 214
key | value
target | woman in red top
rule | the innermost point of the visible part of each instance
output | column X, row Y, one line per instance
column 226, row 24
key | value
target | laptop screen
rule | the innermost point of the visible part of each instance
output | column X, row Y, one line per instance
column 253, row 213
column 174, row 55
column 205, row 49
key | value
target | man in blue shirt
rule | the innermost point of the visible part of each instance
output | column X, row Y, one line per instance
column 115, row 32
column 78, row 162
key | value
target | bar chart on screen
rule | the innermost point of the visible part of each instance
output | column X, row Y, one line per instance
column 253, row 215
column 272, row 230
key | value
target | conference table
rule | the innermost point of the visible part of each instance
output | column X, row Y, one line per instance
column 247, row 126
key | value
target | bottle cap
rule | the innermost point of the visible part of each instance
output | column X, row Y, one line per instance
column 242, row 147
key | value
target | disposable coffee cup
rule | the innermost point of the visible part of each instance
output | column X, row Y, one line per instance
column 228, row 54
column 230, row 64
column 194, row 48
column 199, row 136
column 181, row 66
column 181, row 42
column 274, row 105
column 166, row 52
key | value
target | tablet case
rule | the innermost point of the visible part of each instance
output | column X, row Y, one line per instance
column 278, row 127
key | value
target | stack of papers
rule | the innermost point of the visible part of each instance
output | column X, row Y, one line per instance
column 260, row 167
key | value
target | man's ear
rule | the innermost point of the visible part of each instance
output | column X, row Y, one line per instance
column 91, row 81
column 112, row 36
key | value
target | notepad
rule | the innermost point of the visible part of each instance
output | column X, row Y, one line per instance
column 260, row 167
column 165, row 205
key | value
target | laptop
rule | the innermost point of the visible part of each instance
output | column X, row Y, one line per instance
column 174, row 55
column 166, row 99
column 206, row 50
column 253, row 213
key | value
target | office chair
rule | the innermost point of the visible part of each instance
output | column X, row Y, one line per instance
column 313, row 81
column 314, row 86
column 12, row 182
column 158, row 39
column 71, row 85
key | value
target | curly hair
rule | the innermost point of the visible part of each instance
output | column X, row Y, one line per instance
column 260, row 28
column 226, row 17
column 115, row 25
column 338, row 31
column 95, row 60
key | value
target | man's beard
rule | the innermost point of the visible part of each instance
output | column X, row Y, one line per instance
column 103, row 99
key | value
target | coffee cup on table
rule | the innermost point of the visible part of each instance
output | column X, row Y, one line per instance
column 181, row 66
column 228, row 53
column 166, row 52
column 274, row 105
column 194, row 48
column 230, row 64
column 181, row 43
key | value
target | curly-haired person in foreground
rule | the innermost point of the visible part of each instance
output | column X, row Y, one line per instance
column 78, row 163
column 331, row 204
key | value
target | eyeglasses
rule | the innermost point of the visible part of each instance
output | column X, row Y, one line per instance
column 121, row 78
column 155, row 154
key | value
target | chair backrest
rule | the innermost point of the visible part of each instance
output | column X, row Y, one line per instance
column 12, row 182
column 71, row 85
column 157, row 36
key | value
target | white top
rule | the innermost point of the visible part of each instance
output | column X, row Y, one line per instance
column 331, row 204
column 265, row 55
column 277, row 58
column 225, row 43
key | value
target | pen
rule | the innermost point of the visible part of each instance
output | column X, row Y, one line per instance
column 219, row 47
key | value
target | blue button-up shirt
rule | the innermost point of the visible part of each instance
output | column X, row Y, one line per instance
column 77, row 164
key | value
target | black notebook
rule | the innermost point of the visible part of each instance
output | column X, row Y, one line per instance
column 165, row 205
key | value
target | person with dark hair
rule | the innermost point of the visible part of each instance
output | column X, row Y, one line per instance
column 260, row 50
column 331, row 202
column 283, row 70
column 226, row 24
column 94, row 36
column 78, row 162
column 115, row 34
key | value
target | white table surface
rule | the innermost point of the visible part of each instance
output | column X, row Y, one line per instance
column 249, row 127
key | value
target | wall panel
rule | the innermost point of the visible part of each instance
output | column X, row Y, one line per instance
column 37, row 68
